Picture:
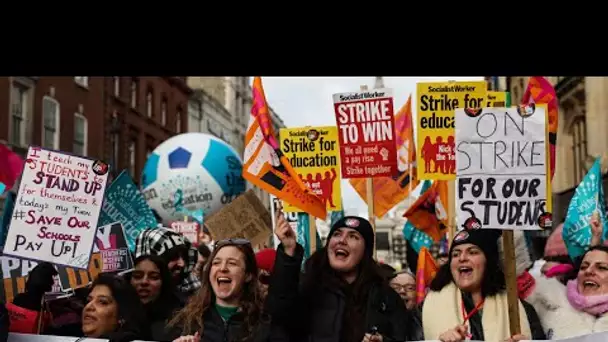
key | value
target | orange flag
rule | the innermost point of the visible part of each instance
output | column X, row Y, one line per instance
column 264, row 163
column 425, row 272
column 428, row 213
column 389, row 191
column 540, row 91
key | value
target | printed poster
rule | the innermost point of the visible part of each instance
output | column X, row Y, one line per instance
column 111, row 243
column 367, row 133
column 189, row 229
column 435, row 115
column 314, row 153
column 390, row 191
column 498, row 99
column 57, row 208
column 502, row 168
column 124, row 203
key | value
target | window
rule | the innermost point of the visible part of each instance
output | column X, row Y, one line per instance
column 149, row 103
column 131, row 150
column 116, row 84
column 134, row 93
column 178, row 120
column 50, row 129
column 163, row 112
column 80, row 135
column 579, row 148
column 19, row 111
column 82, row 80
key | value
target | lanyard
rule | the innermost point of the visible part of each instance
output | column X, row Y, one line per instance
column 470, row 314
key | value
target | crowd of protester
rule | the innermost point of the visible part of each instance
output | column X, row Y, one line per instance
column 227, row 292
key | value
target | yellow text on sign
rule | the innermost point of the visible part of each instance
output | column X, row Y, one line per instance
column 498, row 99
column 314, row 153
column 435, row 143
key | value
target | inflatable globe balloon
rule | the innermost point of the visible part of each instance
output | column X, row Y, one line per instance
column 190, row 172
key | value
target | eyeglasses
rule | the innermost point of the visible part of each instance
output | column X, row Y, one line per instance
column 406, row 287
column 231, row 242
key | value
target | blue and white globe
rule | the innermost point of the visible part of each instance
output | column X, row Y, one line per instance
column 191, row 171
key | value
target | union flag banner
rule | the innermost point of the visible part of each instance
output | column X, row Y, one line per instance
column 428, row 213
column 540, row 91
column 265, row 165
column 425, row 272
column 389, row 191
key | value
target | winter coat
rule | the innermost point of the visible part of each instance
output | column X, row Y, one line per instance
column 318, row 317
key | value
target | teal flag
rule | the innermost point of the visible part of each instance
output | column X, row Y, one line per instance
column 415, row 237
column 335, row 217
column 588, row 198
column 303, row 237
column 124, row 203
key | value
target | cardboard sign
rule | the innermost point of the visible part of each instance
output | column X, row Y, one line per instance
column 111, row 243
column 502, row 168
column 314, row 153
column 188, row 229
column 291, row 217
column 244, row 218
column 57, row 208
column 367, row 133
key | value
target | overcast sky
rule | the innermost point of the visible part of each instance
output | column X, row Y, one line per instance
column 307, row 101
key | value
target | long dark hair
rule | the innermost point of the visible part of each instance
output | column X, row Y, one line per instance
column 190, row 318
column 167, row 294
column 493, row 281
column 131, row 313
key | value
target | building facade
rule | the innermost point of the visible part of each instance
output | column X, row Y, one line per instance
column 116, row 119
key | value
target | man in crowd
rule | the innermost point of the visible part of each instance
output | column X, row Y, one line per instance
column 203, row 256
column 180, row 255
column 404, row 283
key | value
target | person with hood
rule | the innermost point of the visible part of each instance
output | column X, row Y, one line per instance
column 178, row 253
column 468, row 299
column 343, row 295
column 229, row 305
column 153, row 283
column 26, row 306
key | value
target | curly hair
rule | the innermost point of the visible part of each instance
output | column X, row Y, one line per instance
column 190, row 318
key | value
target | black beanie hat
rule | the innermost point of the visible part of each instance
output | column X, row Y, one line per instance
column 485, row 239
column 359, row 224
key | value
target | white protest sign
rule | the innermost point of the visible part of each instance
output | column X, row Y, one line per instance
column 292, row 218
column 57, row 208
column 501, row 178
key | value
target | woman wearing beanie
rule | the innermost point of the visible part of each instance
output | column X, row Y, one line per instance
column 342, row 295
column 468, row 299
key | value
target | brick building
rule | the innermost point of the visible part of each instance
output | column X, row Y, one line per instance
column 117, row 119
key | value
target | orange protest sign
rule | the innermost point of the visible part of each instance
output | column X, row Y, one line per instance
column 266, row 166
column 389, row 191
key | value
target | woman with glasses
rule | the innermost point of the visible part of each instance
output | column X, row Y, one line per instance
column 228, row 306
column 344, row 296
column 404, row 283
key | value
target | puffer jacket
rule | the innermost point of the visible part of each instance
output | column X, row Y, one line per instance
column 319, row 319
column 158, row 241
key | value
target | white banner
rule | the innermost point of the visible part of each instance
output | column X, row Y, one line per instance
column 501, row 178
column 292, row 218
column 597, row 337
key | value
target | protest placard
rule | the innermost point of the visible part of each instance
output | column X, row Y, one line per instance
column 435, row 115
column 124, row 203
column 498, row 99
column 314, row 153
column 367, row 133
column 291, row 217
column 111, row 243
column 188, row 229
column 57, row 208
column 502, row 168
column 245, row 218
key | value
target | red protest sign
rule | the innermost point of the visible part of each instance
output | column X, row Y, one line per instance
column 188, row 229
column 367, row 134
